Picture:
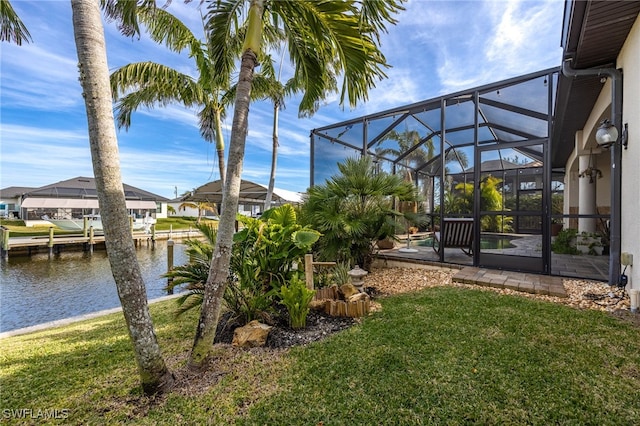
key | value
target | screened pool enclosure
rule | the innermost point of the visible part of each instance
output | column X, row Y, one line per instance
column 482, row 153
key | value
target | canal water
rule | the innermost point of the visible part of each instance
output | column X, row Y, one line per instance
column 37, row 289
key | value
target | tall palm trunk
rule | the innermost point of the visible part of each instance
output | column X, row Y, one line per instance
column 218, row 272
column 220, row 148
column 94, row 78
column 274, row 157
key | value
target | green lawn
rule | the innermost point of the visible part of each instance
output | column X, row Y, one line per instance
column 178, row 222
column 441, row 356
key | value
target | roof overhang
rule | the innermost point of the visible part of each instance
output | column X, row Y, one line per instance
column 250, row 193
column 593, row 34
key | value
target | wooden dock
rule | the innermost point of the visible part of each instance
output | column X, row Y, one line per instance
column 58, row 243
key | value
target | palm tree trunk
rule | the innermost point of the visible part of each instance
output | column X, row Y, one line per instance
column 219, row 270
column 94, row 78
column 220, row 148
column 274, row 157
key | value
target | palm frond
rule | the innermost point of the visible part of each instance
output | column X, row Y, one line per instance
column 164, row 28
column 149, row 84
column 11, row 27
column 222, row 23
column 189, row 301
column 125, row 12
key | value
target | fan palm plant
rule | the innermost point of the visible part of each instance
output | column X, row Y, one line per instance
column 353, row 210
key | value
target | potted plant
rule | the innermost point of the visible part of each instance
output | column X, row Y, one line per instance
column 556, row 227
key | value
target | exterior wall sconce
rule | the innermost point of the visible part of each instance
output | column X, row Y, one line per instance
column 607, row 134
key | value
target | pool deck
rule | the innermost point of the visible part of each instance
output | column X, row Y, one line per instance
column 562, row 266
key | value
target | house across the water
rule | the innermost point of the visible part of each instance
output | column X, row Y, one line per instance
column 72, row 199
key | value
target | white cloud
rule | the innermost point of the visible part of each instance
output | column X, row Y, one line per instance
column 518, row 30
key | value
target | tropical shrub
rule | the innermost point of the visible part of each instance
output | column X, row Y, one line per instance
column 273, row 245
column 296, row 297
column 262, row 259
column 336, row 275
column 353, row 210
column 194, row 274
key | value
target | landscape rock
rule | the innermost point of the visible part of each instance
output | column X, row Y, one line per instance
column 357, row 297
column 252, row 335
column 348, row 290
column 317, row 305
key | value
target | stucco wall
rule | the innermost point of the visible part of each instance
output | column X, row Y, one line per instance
column 629, row 61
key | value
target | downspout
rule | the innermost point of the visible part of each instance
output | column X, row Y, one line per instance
column 616, row 159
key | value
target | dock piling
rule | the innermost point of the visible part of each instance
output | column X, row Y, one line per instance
column 50, row 245
column 169, row 264
column 4, row 242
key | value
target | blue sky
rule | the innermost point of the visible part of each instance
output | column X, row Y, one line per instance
column 437, row 47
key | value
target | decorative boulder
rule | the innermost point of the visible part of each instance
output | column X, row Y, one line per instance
column 348, row 290
column 357, row 297
column 317, row 305
column 252, row 335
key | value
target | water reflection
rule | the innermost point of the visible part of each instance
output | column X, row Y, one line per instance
column 35, row 289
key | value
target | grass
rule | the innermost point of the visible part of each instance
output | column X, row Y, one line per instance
column 441, row 356
column 179, row 222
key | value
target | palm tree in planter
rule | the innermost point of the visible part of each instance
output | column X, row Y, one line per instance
column 325, row 40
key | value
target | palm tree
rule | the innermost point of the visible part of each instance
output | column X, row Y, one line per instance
column 94, row 79
column 419, row 155
column 325, row 39
column 201, row 206
column 412, row 151
column 11, row 27
column 150, row 84
column 276, row 93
